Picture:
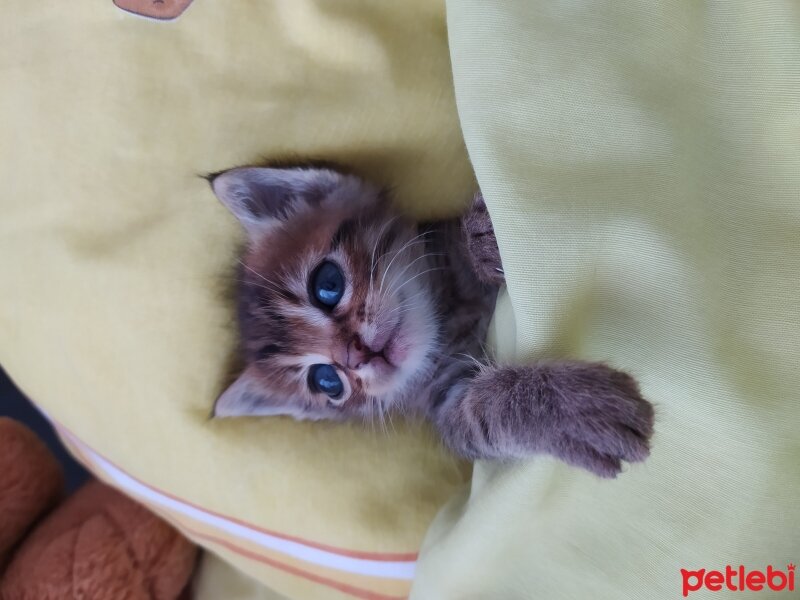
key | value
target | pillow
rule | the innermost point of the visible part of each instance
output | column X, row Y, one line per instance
column 641, row 165
column 117, row 259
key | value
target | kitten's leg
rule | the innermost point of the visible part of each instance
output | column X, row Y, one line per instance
column 482, row 250
column 586, row 414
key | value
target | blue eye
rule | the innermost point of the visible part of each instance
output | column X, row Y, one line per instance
column 327, row 284
column 323, row 378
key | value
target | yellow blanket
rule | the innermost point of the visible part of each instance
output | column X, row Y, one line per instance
column 116, row 259
column 641, row 161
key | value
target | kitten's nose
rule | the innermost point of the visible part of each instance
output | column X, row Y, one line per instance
column 358, row 353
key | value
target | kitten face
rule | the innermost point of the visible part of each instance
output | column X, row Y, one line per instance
column 336, row 316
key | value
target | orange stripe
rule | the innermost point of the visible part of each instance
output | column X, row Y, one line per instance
column 377, row 556
column 342, row 587
column 297, row 572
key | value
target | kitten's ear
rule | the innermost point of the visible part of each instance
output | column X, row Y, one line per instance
column 262, row 197
column 246, row 397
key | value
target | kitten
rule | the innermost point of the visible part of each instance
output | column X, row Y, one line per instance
column 348, row 310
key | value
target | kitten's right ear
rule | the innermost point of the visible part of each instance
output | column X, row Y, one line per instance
column 262, row 197
column 246, row 397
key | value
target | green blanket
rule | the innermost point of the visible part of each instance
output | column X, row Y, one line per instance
column 641, row 161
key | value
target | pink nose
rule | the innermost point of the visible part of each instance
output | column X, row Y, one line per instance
column 359, row 354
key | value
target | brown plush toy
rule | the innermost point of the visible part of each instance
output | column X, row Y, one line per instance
column 96, row 545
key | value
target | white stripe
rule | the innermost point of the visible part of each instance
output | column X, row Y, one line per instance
column 373, row 568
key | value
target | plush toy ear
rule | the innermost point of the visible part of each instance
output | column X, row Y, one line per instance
column 246, row 397
column 263, row 197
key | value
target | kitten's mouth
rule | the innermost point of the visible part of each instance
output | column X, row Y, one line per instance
column 387, row 358
column 375, row 359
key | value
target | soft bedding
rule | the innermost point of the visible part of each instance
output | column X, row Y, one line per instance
column 640, row 162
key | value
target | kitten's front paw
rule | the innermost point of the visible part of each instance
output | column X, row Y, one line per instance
column 600, row 419
column 481, row 243
column 586, row 414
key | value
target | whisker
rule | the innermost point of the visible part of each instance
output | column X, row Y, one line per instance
column 407, row 281
column 259, row 275
column 471, row 360
column 378, row 239
column 424, row 255
column 382, row 415
column 404, row 306
column 406, row 300
column 400, row 274
column 270, row 288
column 396, row 254
column 400, row 311
column 391, row 420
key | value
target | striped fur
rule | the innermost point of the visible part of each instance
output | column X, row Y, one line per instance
column 421, row 295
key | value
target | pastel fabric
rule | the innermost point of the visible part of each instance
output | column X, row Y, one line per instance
column 117, row 261
column 641, row 164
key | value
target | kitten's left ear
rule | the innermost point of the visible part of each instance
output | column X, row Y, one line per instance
column 262, row 197
column 246, row 397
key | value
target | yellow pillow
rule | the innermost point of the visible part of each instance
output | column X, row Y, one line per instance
column 116, row 259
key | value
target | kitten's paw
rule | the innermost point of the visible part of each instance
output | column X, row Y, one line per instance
column 600, row 420
column 481, row 243
column 586, row 414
